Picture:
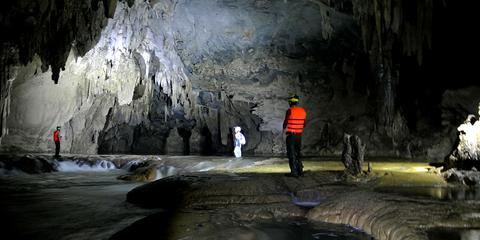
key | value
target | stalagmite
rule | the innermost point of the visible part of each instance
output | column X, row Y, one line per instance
column 353, row 153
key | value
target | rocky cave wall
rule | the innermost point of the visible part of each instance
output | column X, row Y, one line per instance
column 116, row 98
column 159, row 76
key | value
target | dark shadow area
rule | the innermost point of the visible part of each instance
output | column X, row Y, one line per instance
column 168, row 201
column 230, row 145
column 206, row 143
column 155, row 226
column 185, row 134
column 447, row 65
column 453, row 234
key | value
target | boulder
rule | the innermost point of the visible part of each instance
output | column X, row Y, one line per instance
column 34, row 164
column 466, row 152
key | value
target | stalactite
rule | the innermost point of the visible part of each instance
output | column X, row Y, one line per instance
column 327, row 28
column 386, row 25
column 7, row 74
column 48, row 29
column 410, row 21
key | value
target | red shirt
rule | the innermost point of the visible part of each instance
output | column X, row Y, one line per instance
column 56, row 136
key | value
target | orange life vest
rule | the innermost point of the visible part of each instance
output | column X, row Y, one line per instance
column 296, row 119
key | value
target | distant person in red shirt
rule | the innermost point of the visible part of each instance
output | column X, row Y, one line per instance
column 293, row 126
column 56, row 139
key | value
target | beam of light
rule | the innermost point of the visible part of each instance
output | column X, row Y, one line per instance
column 420, row 169
column 281, row 166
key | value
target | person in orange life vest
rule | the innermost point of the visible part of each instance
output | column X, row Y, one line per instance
column 56, row 139
column 293, row 126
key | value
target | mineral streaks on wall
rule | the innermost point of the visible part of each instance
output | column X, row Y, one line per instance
column 181, row 72
column 142, row 115
column 112, row 86
column 410, row 21
column 48, row 29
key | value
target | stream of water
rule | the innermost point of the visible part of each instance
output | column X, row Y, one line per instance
column 66, row 205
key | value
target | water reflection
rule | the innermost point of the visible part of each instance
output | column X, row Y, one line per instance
column 288, row 229
column 440, row 193
column 303, row 231
column 453, row 234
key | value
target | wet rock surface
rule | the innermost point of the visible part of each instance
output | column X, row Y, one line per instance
column 256, row 197
column 222, row 200
column 463, row 177
column 42, row 163
column 31, row 164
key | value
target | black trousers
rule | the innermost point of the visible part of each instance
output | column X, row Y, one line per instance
column 294, row 144
column 57, row 148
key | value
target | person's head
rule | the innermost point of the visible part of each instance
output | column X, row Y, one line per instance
column 237, row 129
column 58, row 128
column 293, row 99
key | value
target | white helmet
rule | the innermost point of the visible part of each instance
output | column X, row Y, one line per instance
column 237, row 129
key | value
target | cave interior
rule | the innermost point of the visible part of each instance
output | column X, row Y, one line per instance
column 172, row 78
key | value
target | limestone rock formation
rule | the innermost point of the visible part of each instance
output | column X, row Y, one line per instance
column 48, row 30
column 167, row 77
column 353, row 154
column 466, row 152
column 463, row 177
column 141, row 84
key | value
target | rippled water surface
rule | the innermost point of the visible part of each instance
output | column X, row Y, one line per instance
column 66, row 205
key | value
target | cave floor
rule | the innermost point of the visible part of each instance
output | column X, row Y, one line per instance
column 201, row 197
